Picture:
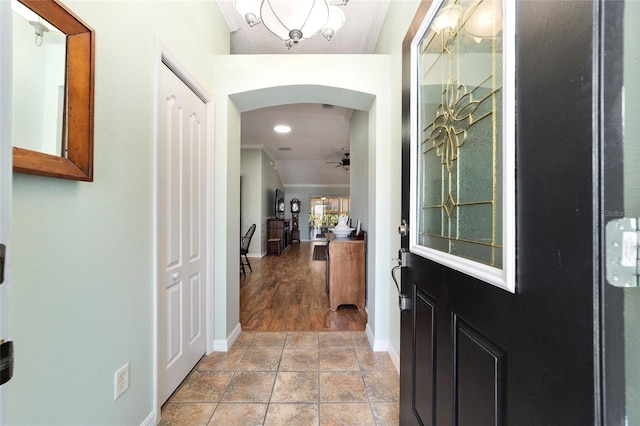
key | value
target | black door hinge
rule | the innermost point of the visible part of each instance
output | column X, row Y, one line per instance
column 3, row 251
column 6, row 361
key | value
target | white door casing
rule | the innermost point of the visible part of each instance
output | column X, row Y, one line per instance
column 6, row 64
column 181, row 231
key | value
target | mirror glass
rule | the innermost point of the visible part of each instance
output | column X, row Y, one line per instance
column 39, row 55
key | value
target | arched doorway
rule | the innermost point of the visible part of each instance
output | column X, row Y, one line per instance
column 364, row 84
column 260, row 176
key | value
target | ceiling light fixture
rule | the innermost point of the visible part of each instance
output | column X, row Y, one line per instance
column 294, row 20
column 40, row 25
column 447, row 18
column 40, row 30
column 345, row 163
column 483, row 20
column 282, row 128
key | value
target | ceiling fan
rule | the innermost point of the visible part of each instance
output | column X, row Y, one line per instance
column 345, row 163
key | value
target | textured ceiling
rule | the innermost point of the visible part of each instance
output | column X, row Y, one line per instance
column 319, row 134
column 363, row 21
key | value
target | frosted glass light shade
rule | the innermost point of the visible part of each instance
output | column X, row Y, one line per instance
column 448, row 17
column 281, row 17
column 334, row 23
column 484, row 19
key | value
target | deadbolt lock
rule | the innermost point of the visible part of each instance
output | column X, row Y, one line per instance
column 403, row 229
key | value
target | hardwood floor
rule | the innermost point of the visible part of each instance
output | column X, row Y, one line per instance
column 288, row 293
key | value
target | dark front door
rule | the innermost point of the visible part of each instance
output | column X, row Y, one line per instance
column 474, row 353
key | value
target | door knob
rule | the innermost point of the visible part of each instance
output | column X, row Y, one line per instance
column 403, row 229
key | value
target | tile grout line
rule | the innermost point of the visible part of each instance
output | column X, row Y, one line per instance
column 360, row 365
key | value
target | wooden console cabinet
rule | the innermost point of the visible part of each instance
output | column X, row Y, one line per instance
column 279, row 228
column 346, row 272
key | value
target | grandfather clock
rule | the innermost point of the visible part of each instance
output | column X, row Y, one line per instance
column 295, row 213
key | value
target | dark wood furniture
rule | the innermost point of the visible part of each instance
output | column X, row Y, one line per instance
column 295, row 220
column 295, row 232
column 346, row 272
column 279, row 228
column 274, row 246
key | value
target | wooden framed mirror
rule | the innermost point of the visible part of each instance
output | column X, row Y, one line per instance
column 75, row 159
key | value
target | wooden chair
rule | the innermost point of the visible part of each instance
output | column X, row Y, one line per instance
column 273, row 246
column 244, row 248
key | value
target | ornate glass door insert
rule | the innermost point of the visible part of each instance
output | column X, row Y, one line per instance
column 462, row 141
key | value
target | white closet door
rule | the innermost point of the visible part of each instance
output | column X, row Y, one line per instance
column 181, row 226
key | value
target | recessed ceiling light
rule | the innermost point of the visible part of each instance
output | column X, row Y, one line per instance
column 281, row 128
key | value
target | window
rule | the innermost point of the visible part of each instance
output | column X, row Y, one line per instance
column 324, row 212
column 462, row 139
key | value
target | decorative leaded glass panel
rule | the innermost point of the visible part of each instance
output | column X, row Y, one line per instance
column 459, row 141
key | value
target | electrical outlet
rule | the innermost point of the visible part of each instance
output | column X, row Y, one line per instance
column 121, row 381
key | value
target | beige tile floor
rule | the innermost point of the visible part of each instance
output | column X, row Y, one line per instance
column 289, row 378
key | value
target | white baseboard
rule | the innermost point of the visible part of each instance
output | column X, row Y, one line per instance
column 395, row 357
column 376, row 345
column 224, row 345
column 369, row 333
column 383, row 346
column 150, row 420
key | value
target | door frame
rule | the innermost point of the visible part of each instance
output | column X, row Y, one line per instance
column 609, row 204
column 165, row 57
column 6, row 173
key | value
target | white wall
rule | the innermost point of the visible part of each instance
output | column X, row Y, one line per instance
column 259, row 182
column 399, row 16
column 270, row 182
column 251, row 212
column 227, row 227
column 82, row 290
column 82, row 295
column 359, row 170
column 359, row 148
column 364, row 85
